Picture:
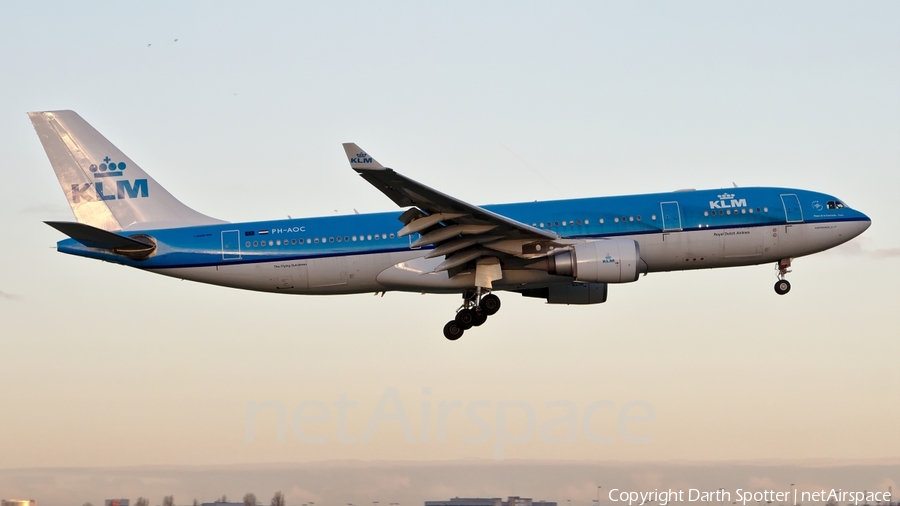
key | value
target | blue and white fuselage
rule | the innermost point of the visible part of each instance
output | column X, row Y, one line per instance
column 348, row 254
column 562, row 250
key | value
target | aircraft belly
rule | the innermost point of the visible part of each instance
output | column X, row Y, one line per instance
column 808, row 238
column 681, row 250
column 699, row 249
column 417, row 275
column 320, row 276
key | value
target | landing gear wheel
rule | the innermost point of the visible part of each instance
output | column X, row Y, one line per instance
column 452, row 330
column 466, row 318
column 490, row 304
column 480, row 317
column 782, row 287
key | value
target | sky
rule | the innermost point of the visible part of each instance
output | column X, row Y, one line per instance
column 239, row 110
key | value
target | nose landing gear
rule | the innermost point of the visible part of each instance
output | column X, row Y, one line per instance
column 474, row 312
column 783, row 286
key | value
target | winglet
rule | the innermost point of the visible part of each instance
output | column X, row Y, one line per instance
column 359, row 159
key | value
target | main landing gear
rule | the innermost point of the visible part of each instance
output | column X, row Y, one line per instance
column 474, row 312
column 783, row 286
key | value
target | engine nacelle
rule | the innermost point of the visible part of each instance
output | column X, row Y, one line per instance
column 576, row 293
column 603, row 261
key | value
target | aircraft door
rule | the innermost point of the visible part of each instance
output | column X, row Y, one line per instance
column 671, row 215
column 327, row 271
column 231, row 245
column 792, row 211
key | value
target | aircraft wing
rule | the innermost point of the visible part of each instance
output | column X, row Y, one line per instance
column 459, row 231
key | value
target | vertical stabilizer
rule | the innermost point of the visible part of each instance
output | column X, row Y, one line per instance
column 104, row 187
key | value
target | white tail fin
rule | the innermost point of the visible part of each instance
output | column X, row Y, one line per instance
column 103, row 186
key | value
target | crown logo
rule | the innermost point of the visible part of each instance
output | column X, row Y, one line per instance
column 362, row 155
column 726, row 195
column 108, row 168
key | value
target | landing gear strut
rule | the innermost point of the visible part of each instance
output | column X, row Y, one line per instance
column 783, row 286
column 474, row 312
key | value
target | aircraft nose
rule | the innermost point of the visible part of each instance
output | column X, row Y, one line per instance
column 866, row 222
column 862, row 224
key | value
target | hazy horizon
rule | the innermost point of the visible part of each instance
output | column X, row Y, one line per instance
column 567, row 483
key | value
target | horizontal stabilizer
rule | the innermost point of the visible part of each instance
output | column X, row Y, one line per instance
column 93, row 237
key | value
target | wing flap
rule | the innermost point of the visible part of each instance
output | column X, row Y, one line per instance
column 454, row 227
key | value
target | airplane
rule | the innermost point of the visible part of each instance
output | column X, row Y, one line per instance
column 563, row 251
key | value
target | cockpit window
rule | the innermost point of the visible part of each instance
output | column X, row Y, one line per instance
column 835, row 204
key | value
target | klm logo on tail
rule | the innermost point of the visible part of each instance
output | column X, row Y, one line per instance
column 124, row 188
column 108, row 165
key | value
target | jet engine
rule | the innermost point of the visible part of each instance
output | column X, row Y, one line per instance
column 602, row 261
